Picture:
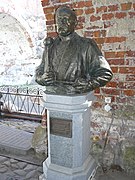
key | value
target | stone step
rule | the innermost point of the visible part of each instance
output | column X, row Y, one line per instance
column 14, row 140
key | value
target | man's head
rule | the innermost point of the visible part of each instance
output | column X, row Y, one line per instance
column 65, row 21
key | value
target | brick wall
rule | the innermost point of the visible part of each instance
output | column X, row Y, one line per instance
column 112, row 25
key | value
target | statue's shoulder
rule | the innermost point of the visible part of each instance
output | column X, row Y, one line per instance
column 48, row 41
column 88, row 42
column 85, row 40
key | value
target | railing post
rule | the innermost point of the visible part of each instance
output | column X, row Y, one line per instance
column 38, row 100
column 17, row 93
column 0, row 102
column 27, row 92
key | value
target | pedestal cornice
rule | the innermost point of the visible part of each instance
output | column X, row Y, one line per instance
column 68, row 103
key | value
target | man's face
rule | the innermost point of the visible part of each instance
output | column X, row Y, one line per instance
column 65, row 23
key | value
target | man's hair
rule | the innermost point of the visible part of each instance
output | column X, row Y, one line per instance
column 67, row 10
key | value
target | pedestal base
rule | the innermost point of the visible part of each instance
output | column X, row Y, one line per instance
column 69, row 138
column 55, row 172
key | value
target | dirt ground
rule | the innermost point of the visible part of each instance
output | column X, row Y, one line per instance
column 113, row 175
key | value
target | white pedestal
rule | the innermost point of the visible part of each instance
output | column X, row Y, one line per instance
column 69, row 154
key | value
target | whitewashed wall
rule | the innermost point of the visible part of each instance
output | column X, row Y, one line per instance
column 22, row 30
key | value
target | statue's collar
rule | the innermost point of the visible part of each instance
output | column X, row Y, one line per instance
column 67, row 38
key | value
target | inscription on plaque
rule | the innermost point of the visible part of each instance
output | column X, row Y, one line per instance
column 61, row 127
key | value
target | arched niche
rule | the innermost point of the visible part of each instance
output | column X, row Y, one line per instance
column 22, row 29
column 15, row 50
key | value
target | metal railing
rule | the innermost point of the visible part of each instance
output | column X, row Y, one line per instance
column 21, row 102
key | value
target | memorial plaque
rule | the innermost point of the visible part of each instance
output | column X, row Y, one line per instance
column 61, row 127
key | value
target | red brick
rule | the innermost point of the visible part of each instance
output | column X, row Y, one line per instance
column 112, row 98
column 131, row 14
column 130, row 77
column 79, row 12
column 130, row 53
column 120, row 54
column 127, row 70
column 45, row 2
column 126, row 6
column 51, row 34
column 50, row 17
column 111, row 55
column 97, row 104
column 81, row 19
column 115, row 39
column 116, row 61
column 113, row 8
column 114, row 69
column 107, row 16
column 89, row 11
column 111, row 84
column 112, row 91
column 62, row 1
column 96, row 34
column 50, row 22
column 129, row 92
column 48, row 10
column 94, row 18
column 120, row 15
column 99, row 40
column 88, row 3
column 79, row 4
column 82, row 4
column 101, row 9
column 134, row 6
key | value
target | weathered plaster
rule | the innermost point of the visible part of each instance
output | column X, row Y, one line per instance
column 22, row 29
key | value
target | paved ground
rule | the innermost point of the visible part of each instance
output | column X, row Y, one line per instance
column 13, row 169
column 10, row 167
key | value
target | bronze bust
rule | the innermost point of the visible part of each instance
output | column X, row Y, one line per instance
column 71, row 64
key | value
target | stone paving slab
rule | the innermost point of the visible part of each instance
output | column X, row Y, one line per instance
column 14, row 140
column 11, row 169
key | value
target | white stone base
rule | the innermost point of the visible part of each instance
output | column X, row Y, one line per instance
column 55, row 172
column 69, row 158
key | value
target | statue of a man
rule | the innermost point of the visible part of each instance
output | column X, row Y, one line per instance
column 71, row 64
